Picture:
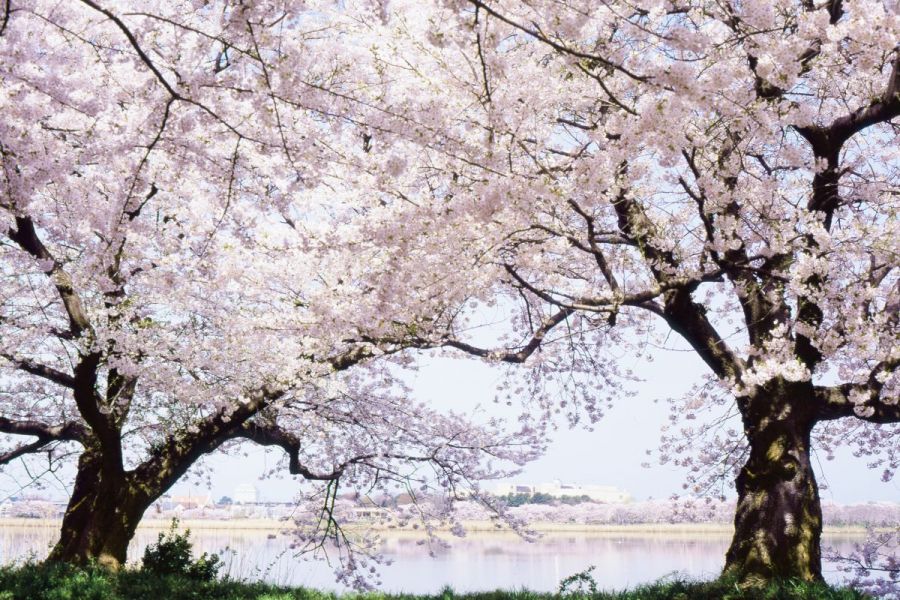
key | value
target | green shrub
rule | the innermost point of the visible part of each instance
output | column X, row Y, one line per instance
column 172, row 554
column 579, row 584
column 64, row 582
column 55, row 581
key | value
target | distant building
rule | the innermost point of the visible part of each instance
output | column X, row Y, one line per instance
column 246, row 493
column 32, row 507
column 190, row 502
column 369, row 513
column 557, row 489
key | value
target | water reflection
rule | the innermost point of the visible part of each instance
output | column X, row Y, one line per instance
column 481, row 561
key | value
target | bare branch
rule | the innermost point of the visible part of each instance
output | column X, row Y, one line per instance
column 24, row 450
column 7, row 9
column 509, row 355
column 134, row 44
column 559, row 47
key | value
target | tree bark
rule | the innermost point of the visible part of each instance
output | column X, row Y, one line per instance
column 102, row 515
column 108, row 502
column 778, row 522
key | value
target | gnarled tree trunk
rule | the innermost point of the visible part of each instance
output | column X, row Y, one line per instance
column 778, row 522
column 102, row 515
column 108, row 502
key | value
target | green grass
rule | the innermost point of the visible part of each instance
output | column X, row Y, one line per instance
column 62, row 582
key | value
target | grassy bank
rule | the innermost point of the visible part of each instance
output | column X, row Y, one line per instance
column 60, row 582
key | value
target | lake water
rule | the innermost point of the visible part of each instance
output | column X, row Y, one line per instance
column 481, row 561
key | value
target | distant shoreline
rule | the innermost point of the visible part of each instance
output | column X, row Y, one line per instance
column 480, row 527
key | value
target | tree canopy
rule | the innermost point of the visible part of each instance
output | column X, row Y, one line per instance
column 184, row 267
column 723, row 172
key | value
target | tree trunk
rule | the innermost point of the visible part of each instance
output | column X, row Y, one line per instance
column 778, row 522
column 102, row 515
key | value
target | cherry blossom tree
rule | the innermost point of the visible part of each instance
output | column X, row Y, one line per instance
column 181, row 269
column 725, row 173
column 216, row 210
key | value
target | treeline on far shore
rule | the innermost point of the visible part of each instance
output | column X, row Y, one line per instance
column 538, row 507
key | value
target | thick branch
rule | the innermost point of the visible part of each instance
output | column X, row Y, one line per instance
column 170, row 460
column 831, row 137
column 35, row 368
column 26, row 237
column 834, row 402
column 344, row 361
column 74, row 432
column 88, row 402
column 682, row 314
column 512, row 355
column 272, row 435
column 84, row 380
column 760, row 310
column 827, row 141
column 766, row 89
column 610, row 304
column 599, row 257
column 508, row 355
column 23, row 450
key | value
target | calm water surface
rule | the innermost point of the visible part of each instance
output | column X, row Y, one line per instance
column 482, row 561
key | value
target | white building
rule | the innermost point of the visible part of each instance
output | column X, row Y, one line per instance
column 557, row 489
column 246, row 493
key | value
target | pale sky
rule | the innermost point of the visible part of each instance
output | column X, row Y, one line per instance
column 610, row 455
